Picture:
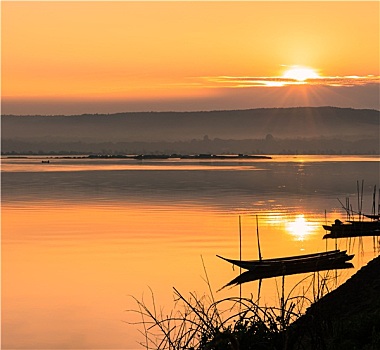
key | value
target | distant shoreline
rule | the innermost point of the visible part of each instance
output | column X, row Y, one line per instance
column 143, row 156
column 319, row 130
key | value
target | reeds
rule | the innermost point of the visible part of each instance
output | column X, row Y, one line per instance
column 203, row 323
column 198, row 323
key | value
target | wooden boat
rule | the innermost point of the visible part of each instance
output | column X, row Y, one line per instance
column 352, row 228
column 253, row 264
column 268, row 268
column 372, row 216
column 252, row 275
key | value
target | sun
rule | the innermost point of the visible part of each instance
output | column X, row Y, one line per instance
column 300, row 73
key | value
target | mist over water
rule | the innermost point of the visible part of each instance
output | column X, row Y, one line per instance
column 221, row 184
column 79, row 235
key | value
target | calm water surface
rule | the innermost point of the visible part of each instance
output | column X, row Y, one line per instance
column 80, row 236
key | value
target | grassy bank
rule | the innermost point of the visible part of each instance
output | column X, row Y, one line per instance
column 345, row 318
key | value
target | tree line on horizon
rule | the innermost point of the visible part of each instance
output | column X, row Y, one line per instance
column 303, row 130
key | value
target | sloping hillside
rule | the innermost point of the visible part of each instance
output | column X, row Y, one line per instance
column 346, row 318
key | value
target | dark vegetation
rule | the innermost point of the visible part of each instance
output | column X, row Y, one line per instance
column 303, row 130
column 345, row 318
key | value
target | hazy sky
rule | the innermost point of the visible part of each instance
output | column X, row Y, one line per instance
column 88, row 57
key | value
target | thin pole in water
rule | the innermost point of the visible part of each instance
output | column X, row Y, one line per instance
column 260, row 257
column 348, row 218
column 326, row 225
column 374, row 201
column 240, row 251
column 361, row 198
column 258, row 237
column 374, row 212
column 357, row 188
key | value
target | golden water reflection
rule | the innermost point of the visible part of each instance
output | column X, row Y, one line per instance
column 76, row 245
column 80, row 262
column 300, row 228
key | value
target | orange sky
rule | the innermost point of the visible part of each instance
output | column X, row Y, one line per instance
column 76, row 57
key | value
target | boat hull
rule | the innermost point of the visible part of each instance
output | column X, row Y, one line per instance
column 352, row 229
column 268, row 268
column 252, row 275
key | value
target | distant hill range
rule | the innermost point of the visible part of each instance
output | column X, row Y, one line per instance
column 162, row 129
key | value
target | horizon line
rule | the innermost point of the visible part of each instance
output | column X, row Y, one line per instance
column 190, row 111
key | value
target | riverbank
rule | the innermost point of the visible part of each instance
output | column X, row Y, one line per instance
column 346, row 318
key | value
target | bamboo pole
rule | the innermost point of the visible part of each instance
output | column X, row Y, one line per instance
column 373, row 212
column 357, row 189
column 260, row 257
column 240, row 254
column 326, row 224
column 258, row 237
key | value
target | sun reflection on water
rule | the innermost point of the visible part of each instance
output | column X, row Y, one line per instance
column 300, row 228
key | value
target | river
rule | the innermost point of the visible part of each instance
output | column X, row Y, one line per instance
column 82, row 237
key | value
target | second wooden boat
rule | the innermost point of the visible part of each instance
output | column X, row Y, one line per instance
column 268, row 268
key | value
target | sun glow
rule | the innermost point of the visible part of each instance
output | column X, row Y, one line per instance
column 300, row 228
column 300, row 73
